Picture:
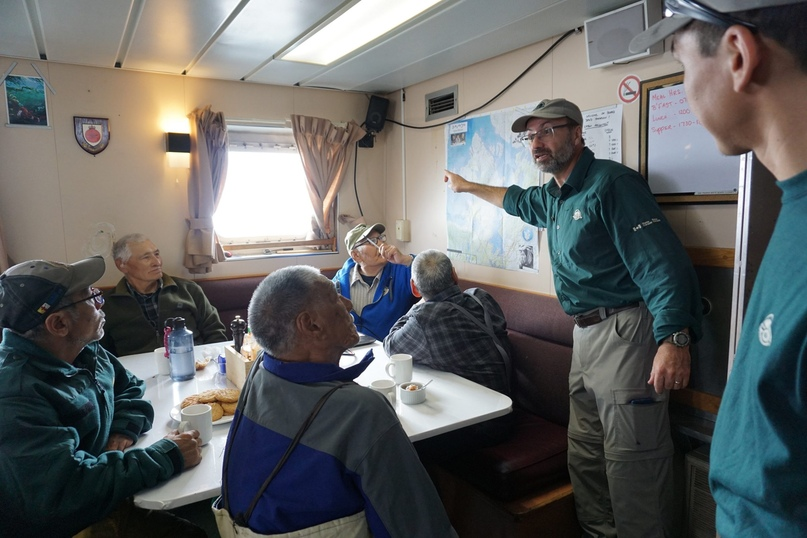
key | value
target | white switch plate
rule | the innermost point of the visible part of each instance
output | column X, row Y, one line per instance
column 402, row 232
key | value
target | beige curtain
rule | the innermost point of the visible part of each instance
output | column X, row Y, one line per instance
column 208, row 173
column 4, row 261
column 325, row 150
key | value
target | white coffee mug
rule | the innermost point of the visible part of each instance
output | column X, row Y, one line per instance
column 198, row 417
column 400, row 365
column 163, row 366
column 385, row 387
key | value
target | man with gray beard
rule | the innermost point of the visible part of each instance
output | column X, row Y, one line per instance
column 622, row 273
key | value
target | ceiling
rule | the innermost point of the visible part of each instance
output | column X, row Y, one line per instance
column 239, row 39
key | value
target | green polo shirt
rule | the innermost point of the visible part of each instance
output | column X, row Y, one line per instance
column 610, row 245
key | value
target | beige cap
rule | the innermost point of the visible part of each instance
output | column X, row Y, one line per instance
column 550, row 109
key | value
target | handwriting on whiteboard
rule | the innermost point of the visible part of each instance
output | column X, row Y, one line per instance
column 669, row 110
column 682, row 157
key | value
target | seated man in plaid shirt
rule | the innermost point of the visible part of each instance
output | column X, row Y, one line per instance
column 454, row 331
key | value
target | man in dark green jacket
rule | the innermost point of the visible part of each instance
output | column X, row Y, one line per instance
column 136, row 309
column 69, row 409
column 624, row 275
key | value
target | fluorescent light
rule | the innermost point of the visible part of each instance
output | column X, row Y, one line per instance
column 357, row 26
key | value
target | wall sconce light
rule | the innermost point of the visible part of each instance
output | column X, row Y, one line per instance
column 178, row 148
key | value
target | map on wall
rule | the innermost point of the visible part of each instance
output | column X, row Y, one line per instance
column 483, row 149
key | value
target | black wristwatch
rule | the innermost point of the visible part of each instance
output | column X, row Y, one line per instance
column 679, row 339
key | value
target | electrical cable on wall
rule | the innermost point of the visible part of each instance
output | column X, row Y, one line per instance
column 355, row 188
column 491, row 100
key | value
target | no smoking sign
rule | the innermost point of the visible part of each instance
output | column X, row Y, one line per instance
column 629, row 89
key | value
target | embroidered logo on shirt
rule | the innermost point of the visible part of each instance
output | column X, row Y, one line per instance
column 645, row 224
column 766, row 331
column 577, row 215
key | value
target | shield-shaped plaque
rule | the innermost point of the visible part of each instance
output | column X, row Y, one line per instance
column 92, row 134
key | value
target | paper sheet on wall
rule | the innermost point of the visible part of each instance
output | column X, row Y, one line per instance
column 602, row 131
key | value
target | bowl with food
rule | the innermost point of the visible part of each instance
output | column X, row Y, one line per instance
column 411, row 393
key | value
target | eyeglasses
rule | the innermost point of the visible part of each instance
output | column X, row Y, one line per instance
column 97, row 297
column 695, row 10
column 542, row 134
column 380, row 239
column 373, row 241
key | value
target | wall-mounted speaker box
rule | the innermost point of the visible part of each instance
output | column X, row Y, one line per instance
column 376, row 114
column 608, row 36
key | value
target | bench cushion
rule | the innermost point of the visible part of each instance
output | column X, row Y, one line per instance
column 533, row 458
column 541, row 371
column 230, row 296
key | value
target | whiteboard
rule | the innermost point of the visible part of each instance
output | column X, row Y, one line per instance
column 681, row 157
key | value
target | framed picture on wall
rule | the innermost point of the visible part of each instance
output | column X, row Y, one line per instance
column 26, row 103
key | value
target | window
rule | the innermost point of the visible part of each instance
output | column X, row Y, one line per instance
column 265, row 208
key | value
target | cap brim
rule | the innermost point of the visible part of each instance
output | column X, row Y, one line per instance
column 88, row 272
column 520, row 125
column 378, row 227
column 659, row 31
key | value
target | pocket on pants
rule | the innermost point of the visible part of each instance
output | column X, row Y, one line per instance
column 638, row 421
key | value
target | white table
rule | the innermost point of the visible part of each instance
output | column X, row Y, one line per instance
column 452, row 402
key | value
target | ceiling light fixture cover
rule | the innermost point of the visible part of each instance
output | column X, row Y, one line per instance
column 362, row 23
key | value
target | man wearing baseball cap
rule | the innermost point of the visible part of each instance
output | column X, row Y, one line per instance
column 69, row 409
column 745, row 76
column 622, row 273
column 376, row 280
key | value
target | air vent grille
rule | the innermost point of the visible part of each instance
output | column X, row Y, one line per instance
column 442, row 103
column 701, row 506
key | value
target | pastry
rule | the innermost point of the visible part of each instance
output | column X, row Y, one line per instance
column 218, row 411
column 222, row 401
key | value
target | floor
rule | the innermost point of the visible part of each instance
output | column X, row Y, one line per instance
column 200, row 514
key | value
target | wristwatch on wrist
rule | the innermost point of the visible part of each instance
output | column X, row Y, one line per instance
column 680, row 339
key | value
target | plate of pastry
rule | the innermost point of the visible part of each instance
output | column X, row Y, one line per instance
column 222, row 401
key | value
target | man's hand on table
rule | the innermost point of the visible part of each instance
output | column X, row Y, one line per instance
column 188, row 443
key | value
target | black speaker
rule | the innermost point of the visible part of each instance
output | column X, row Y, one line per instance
column 376, row 114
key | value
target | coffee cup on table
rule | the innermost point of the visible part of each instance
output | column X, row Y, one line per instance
column 198, row 417
column 399, row 368
column 385, row 387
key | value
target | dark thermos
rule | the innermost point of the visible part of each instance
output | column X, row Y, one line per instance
column 239, row 328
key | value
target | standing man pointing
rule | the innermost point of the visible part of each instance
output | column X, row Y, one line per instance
column 621, row 271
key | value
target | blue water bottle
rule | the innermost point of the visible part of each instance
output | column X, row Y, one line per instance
column 180, row 352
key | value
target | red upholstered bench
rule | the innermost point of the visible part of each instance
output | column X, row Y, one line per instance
column 521, row 486
column 532, row 459
column 231, row 295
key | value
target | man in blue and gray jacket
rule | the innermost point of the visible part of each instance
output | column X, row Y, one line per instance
column 354, row 467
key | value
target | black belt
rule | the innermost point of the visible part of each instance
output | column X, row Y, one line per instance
column 593, row 317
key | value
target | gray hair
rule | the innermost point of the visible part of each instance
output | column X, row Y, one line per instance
column 121, row 250
column 431, row 272
column 278, row 300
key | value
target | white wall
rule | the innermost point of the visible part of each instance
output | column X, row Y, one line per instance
column 55, row 198
column 564, row 73
column 53, row 195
